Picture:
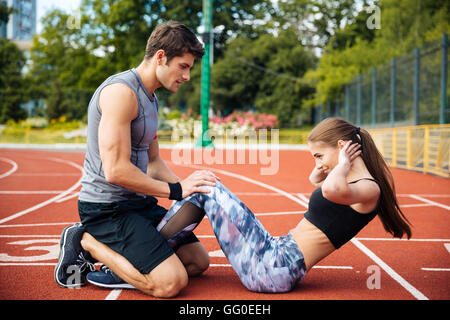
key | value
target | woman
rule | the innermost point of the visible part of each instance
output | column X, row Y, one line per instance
column 355, row 185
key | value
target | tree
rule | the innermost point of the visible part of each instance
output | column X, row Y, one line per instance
column 264, row 74
column 65, row 70
column 127, row 24
column 405, row 25
column 5, row 13
column 110, row 36
column 316, row 21
column 12, row 61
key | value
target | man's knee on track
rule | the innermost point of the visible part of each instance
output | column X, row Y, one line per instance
column 88, row 242
column 169, row 287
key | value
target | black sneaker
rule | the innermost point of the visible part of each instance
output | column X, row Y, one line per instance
column 107, row 279
column 74, row 262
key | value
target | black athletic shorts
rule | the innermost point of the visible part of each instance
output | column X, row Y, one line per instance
column 129, row 228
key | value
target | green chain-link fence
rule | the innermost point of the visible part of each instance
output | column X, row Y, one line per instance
column 410, row 90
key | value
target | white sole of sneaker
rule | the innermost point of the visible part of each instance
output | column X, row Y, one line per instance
column 112, row 286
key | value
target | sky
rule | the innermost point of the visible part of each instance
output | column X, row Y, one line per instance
column 43, row 6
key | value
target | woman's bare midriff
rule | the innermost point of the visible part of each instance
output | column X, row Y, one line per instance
column 313, row 243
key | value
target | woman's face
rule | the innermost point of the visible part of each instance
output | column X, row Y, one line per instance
column 324, row 155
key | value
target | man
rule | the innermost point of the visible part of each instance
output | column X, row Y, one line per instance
column 124, row 172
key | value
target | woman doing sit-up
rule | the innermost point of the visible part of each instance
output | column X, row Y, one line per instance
column 355, row 185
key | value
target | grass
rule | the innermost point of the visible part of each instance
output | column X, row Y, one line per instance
column 54, row 133
column 39, row 131
column 37, row 136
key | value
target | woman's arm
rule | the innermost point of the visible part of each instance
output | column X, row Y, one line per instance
column 317, row 176
column 336, row 188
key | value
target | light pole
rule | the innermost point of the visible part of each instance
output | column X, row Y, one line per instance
column 205, row 139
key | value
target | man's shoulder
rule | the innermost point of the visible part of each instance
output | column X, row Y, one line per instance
column 118, row 89
column 118, row 96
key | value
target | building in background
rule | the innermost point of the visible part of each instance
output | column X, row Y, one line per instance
column 20, row 28
column 21, row 25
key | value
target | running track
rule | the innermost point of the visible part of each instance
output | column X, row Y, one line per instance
column 38, row 198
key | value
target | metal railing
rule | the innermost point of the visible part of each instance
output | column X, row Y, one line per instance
column 422, row 148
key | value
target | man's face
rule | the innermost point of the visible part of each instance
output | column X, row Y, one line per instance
column 177, row 71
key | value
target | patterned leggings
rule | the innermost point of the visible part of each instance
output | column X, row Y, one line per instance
column 262, row 262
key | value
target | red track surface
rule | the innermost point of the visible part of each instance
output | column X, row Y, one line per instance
column 38, row 199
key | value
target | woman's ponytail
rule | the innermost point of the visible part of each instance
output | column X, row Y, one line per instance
column 392, row 217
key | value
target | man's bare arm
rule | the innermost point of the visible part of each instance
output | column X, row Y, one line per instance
column 119, row 107
column 157, row 168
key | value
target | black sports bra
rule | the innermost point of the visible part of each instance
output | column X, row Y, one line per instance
column 340, row 223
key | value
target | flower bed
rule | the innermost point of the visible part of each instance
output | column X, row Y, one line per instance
column 236, row 124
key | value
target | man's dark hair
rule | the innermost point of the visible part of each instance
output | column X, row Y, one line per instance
column 175, row 39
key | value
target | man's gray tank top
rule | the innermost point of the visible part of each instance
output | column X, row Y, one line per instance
column 94, row 187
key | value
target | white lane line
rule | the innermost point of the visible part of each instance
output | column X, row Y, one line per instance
column 244, row 178
column 303, row 197
column 43, row 174
column 51, row 200
column 415, row 205
column 73, row 195
column 215, row 265
column 114, row 294
column 435, row 269
column 198, row 236
column 434, row 203
column 430, row 203
column 10, row 171
column 27, row 264
column 279, row 213
column 397, row 239
column 430, row 195
column 447, row 246
column 394, row 275
column 33, row 192
column 333, row 267
column 29, row 236
column 35, row 224
column 258, row 194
